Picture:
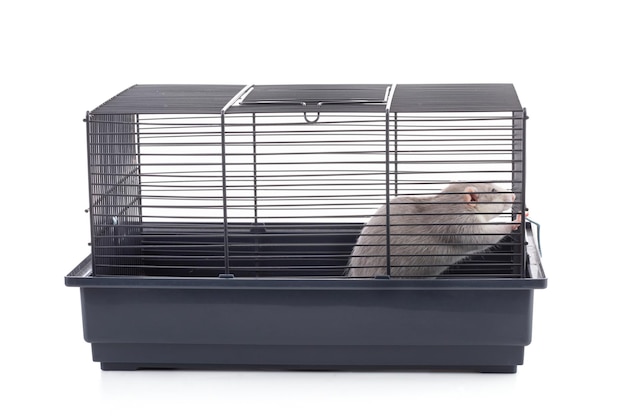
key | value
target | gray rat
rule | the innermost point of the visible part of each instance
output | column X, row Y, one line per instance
column 428, row 234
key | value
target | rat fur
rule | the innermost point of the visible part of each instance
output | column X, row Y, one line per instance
column 428, row 234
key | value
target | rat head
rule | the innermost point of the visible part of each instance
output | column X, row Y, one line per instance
column 482, row 198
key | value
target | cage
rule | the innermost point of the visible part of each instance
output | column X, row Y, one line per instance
column 309, row 227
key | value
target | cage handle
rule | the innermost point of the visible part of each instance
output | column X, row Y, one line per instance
column 306, row 117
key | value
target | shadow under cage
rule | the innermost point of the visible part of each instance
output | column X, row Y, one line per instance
column 309, row 226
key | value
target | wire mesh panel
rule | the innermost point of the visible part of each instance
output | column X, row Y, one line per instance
column 454, row 180
column 114, row 174
column 290, row 181
column 298, row 192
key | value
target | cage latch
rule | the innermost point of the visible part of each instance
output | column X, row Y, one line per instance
column 307, row 117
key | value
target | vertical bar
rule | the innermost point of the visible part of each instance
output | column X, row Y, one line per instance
column 254, row 174
column 137, row 231
column 387, row 179
column 255, row 225
column 224, row 180
column 117, row 200
column 522, row 247
column 387, row 194
column 519, row 183
column 138, row 172
column 225, row 196
column 90, row 183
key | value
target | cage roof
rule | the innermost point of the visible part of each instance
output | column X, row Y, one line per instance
column 170, row 99
column 212, row 99
column 455, row 97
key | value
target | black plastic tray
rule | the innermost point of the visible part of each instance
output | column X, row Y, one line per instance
column 457, row 323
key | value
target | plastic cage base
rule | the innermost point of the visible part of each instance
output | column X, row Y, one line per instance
column 481, row 330
column 316, row 323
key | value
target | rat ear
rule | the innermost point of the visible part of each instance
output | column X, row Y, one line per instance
column 471, row 196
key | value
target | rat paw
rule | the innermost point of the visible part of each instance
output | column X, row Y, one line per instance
column 516, row 224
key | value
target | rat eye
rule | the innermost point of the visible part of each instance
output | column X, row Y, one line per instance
column 493, row 190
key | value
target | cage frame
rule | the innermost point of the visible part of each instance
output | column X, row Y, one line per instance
column 474, row 303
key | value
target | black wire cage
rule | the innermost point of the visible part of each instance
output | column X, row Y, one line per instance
column 309, row 227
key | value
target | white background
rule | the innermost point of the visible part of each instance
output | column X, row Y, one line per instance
column 60, row 59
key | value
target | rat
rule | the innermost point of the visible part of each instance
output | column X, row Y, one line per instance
column 430, row 233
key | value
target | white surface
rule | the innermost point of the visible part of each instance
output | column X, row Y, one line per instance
column 62, row 58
